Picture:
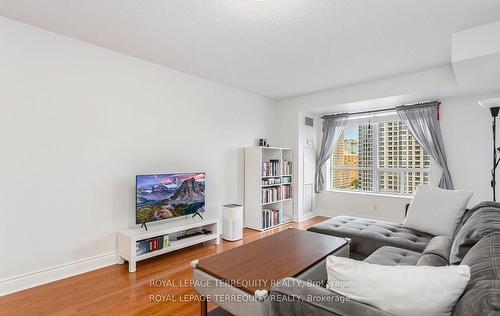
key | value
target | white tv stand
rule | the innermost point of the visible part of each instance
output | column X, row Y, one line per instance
column 127, row 238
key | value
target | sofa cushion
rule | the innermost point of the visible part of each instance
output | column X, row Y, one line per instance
column 436, row 253
column 439, row 245
column 482, row 223
column 469, row 212
column 369, row 235
column 482, row 299
column 482, row 296
column 392, row 256
column 484, row 259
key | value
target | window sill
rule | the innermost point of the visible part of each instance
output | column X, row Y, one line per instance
column 400, row 196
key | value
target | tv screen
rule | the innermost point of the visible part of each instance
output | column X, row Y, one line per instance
column 164, row 196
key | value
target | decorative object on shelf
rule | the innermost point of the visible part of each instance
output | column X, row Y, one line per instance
column 494, row 106
column 286, row 180
column 263, row 142
column 271, row 181
column 194, row 233
column 232, row 222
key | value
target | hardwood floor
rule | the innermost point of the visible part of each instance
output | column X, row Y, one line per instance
column 115, row 291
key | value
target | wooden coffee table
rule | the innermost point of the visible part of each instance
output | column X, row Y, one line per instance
column 255, row 267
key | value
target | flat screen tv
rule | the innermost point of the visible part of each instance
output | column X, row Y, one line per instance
column 164, row 196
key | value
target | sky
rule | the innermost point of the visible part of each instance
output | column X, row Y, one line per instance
column 351, row 132
column 150, row 180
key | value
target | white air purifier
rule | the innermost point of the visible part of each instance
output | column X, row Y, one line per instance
column 232, row 222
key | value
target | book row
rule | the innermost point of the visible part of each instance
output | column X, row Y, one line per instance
column 287, row 167
column 270, row 218
column 270, row 168
column 151, row 244
column 287, row 192
column 270, row 195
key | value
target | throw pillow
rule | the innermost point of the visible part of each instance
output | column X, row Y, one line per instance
column 436, row 211
column 398, row 290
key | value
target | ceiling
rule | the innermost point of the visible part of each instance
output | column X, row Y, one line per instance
column 275, row 48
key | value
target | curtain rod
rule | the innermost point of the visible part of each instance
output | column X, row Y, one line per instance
column 384, row 110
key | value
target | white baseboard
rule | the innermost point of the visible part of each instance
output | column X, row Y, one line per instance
column 43, row 276
column 307, row 216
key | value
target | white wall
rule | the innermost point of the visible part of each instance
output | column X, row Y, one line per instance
column 465, row 127
column 78, row 122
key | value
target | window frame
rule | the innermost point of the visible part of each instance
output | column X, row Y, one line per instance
column 389, row 117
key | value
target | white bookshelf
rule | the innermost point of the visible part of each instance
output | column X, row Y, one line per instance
column 254, row 186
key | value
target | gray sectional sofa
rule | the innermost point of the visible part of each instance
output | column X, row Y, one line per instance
column 476, row 243
column 369, row 235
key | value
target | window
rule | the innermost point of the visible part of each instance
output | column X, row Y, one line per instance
column 380, row 157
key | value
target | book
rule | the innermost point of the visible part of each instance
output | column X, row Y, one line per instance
column 151, row 244
column 141, row 247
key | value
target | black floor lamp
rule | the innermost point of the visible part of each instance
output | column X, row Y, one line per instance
column 494, row 106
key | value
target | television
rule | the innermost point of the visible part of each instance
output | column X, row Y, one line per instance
column 165, row 196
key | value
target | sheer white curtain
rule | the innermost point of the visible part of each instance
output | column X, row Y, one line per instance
column 422, row 121
column 333, row 128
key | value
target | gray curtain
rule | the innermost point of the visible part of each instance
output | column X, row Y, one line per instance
column 333, row 128
column 422, row 121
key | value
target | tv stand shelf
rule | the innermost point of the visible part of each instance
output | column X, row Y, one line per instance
column 127, row 238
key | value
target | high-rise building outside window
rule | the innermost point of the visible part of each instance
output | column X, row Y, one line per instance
column 379, row 156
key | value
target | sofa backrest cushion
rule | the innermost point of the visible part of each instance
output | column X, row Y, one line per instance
column 469, row 212
column 484, row 259
column 482, row 223
column 482, row 296
column 482, row 299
